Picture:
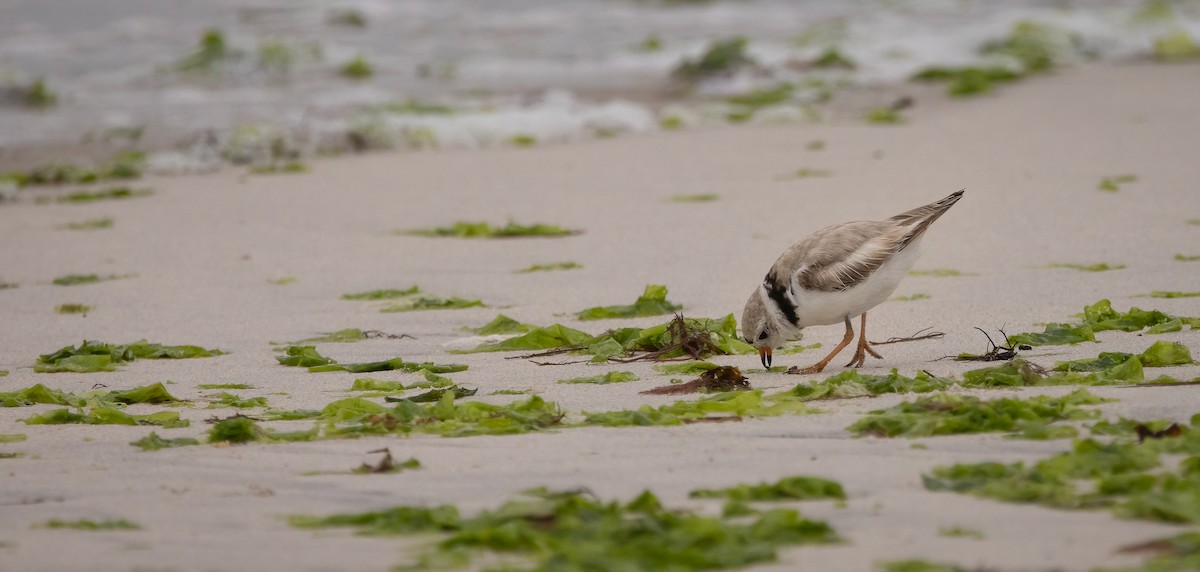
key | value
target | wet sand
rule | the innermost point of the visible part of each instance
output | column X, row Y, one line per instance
column 204, row 249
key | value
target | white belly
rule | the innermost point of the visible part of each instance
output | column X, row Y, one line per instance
column 822, row 308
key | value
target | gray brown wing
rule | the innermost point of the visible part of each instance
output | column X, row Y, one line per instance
column 838, row 257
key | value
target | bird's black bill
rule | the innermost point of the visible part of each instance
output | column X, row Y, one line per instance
column 766, row 359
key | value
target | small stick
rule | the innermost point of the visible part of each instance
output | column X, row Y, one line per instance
column 916, row 337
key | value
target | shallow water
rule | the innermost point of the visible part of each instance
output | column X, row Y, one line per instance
column 114, row 63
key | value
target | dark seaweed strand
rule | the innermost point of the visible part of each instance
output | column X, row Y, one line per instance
column 778, row 293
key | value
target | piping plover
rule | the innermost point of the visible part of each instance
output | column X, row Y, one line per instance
column 833, row 275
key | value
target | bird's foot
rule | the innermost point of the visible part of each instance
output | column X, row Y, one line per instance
column 872, row 351
column 815, row 368
column 860, row 356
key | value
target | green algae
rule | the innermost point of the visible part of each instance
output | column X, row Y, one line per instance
column 1186, row 258
column 111, row 193
column 303, row 356
column 434, row 395
column 573, row 530
column 789, row 488
column 729, row 404
column 430, row 302
column 12, row 437
column 967, row 81
column 1169, row 294
column 1124, row 476
column 1113, row 184
column 1098, row 267
column 123, row 165
column 917, row 565
column 851, row 383
column 357, row 68
column 1099, row 317
column 390, row 294
column 222, row 400
column 947, row 414
column 502, row 324
column 960, row 532
column 345, row 336
column 805, row 173
column 463, row 229
column 703, row 198
column 73, row 308
column 224, row 386
column 211, row 51
column 1038, row 47
column 1177, row 46
column 153, row 442
column 549, row 267
column 37, row 393
column 153, row 393
column 722, row 57
column 239, row 430
column 884, row 116
column 447, row 417
column 606, row 378
column 89, row 224
column 93, row 356
column 77, row 279
column 912, row 298
column 652, row 302
column 549, row 337
column 831, row 58
column 106, row 416
column 92, row 525
column 1178, row 553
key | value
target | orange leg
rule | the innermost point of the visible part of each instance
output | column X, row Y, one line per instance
column 817, row 367
column 860, row 354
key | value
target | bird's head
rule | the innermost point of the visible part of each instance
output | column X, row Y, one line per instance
column 760, row 327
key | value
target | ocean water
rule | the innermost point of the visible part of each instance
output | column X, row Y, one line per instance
column 482, row 72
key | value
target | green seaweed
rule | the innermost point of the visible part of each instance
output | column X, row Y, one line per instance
column 523, row 140
column 303, row 356
column 76, row 279
column 430, row 302
column 463, row 229
column 573, row 530
column 447, row 417
column 93, row 356
column 435, row 395
column 357, row 68
column 111, row 193
column 123, row 165
column 917, row 565
column 720, row 58
column 382, row 294
column 652, row 302
column 549, row 337
column 884, row 116
column 238, row 430
column 12, row 437
column 1177, row 46
column 35, row 394
column 1098, row 317
column 606, row 378
column 106, row 416
column 502, row 324
column 224, row 386
column 153, row 442
column 211, row 51
column 310, row 356
column 832, row 58
column 851, row 384
column 1113, row 184
column 651, row 43
column 957, row 531
column 222, row 400
column 1098, row 267
column 1169, row 294
column 346, row 336
column 1186, row 258
column 73, row 309
column 790, row 488
column 947, row 414
column 967, row 81
column 703, row 198
column 1124, row 476
column 153, row 393
column 733, row 403
column 804, row 173
column 37, row 95
column 280, row 167
column 549, row 267
column 89, row 224
column 912, row 298
column 91, row 525
column 1038, row 47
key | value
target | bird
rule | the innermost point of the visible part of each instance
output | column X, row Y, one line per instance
column 833, row 275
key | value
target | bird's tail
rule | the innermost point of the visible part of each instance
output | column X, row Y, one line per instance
column 920, row 218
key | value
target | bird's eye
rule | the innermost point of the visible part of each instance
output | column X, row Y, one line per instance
column 762, row 336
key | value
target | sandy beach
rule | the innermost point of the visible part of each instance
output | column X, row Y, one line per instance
column 200, row 257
